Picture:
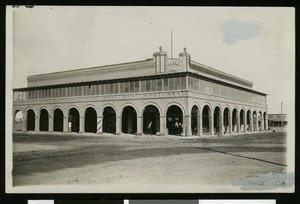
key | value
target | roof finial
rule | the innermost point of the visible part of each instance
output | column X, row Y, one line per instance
column 160, row 48
column 184, row 49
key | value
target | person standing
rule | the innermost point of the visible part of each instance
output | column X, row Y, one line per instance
column 150, row 128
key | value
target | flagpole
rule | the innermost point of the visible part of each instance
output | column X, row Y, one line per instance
column 171, row 44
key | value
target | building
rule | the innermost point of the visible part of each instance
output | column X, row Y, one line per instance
column 277, row 121
column 156, row 96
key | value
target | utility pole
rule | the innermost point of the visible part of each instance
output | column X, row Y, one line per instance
column 281, row 116
column 171, row 44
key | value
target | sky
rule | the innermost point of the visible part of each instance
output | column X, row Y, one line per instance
column 253, row 43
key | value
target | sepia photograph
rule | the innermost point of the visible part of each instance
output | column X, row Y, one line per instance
column 145, row 99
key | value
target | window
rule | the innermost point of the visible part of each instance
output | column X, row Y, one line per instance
column 177, row 83
column 112, row 86
column 116, row 88
column 166, row 84
column 153, row 85
column 171, row 83
column 148, row 85
column 127, row 87
column 159, row 85
column 183, row 82
column 143, row 86
column 131, row 86
column 136, row 86
column 122, row 87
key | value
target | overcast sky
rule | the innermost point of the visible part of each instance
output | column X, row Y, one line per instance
column 256, row 44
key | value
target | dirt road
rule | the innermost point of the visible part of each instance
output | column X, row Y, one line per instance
column 139, row 160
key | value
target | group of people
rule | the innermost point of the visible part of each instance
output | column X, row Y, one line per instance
column 175, row 128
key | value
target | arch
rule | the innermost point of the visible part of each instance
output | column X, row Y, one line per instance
column 109, row 119
column 108, row 105
column 260, row 120
column 174, row 104
column 73, row 119
column 91, row 106
column 151, row 119
column 248, row 120
column 18, row 120
column 195, row 113
column 44, row 119
column 128, row 105
column 57, row 107
column 90, row 119
column 234, row 120
column 129, row 120
column 174, row 119
column 41, row 109
column 217, row 120
column 153, row 104
column 58, row 120
column 242, row 120
column 30, row 120
column 206, row 122
column 226, row 121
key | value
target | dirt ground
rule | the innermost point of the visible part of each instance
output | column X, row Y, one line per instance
column 57, row 159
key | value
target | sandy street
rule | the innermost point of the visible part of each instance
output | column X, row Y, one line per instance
column 152, row 160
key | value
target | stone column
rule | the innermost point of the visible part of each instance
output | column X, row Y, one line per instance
column 50, row 124
column 66, row 125
column 24, row 125
column 162, row 125
column 211, row 125
column 139, row 125
column 99, row 125
column 238, row 124
column 256, row 123
column 262, row 123
column 245, row 123
column 251, row 123
column 37, row 124
column 186, row 125
column 266, row 122
column 230, row 125
column 221, row 125
column 118, row 125
column 81, row 125
column 199, row 125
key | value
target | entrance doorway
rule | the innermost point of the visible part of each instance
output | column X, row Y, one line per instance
column 109, row 120
column 174, row 120
column 129, row 120
column 151, row 120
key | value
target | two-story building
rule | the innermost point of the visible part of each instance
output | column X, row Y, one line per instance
column 158, row 96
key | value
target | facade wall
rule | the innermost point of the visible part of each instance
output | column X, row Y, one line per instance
column 184, row 99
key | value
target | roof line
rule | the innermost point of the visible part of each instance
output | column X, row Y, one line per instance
column 205, row 66
column 90, row 68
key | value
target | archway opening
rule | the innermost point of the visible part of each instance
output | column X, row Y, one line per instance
column 234, row 120
column 109, row 120
column 242, row 124
column 226, row 116
column 194, row 120
column 174, row 120
column 151, row 120
column 248, row 120
column 18, row 121
column 260, row 120
column 73, row 120
column 129, row 120
column 205, row 119
column 30, row 120
column 254, row 116
column 58, row 120
column 44, row 120
column 90, row 119
column 217, row 120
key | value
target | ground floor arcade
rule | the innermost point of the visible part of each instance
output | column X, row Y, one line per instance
column 150, row 117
